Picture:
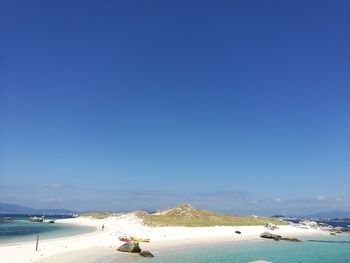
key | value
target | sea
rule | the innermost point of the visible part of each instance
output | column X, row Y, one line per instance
column 22, row 230
column 319, row 249
column 335, row 250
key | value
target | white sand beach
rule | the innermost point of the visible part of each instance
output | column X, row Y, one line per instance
column 98, row 243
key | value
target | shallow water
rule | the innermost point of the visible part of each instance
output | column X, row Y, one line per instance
column 22, row 230
column 337, row 251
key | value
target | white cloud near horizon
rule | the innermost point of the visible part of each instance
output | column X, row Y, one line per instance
column 85, row 199
column 320, row 198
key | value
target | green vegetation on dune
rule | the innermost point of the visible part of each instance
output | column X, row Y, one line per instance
column 100, row 215
column 186, row 215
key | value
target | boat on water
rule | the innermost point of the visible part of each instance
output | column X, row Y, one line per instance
column 6, row 219
column 42, row 220
column 37, row 219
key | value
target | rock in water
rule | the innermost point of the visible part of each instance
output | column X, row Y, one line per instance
column 270, row 236
column 277, row 237
column 290, row 239
column 131, row 247
column 146, row 253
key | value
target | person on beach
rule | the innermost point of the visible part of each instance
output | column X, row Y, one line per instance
column 103, row 227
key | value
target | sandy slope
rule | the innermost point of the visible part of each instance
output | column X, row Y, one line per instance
column 100, row 242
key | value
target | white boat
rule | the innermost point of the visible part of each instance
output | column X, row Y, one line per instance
column 37, row 219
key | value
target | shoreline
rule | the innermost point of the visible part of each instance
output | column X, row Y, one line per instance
column 57, row 238
column 109, row 254
column 98, row 243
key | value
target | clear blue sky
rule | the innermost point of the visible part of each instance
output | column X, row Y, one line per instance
column 175, row 101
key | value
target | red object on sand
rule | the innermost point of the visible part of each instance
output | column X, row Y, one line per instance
column 124, row 239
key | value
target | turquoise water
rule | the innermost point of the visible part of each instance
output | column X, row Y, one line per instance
column 22, row 230
column 242, row 252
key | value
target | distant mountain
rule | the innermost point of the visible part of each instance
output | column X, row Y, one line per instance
column 17, row 209
column 330, row 214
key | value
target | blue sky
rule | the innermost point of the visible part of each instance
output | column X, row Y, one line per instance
column 240, row 106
